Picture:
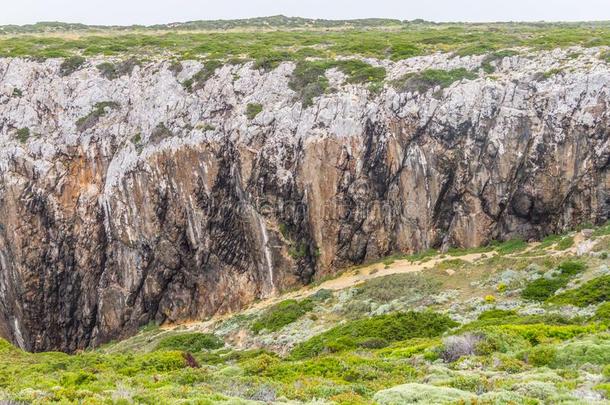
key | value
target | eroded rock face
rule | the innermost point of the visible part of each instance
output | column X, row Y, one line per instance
column 165, row 205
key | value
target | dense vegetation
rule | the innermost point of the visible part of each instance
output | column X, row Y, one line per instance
column 508, row 323
column 296, row 41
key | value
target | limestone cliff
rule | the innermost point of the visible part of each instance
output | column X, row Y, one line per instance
column 129, row 199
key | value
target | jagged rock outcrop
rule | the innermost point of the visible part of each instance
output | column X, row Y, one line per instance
column 130, row 200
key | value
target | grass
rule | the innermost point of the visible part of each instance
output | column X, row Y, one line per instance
column 510, row 246
column 282, row 314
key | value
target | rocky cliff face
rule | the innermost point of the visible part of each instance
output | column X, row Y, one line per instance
column 128, row 200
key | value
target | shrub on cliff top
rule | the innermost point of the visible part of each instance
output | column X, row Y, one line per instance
column 112, row 71
column 423, row 81
column 71, row 65
column 309, row 80
column 200, row 78
column 392, row 328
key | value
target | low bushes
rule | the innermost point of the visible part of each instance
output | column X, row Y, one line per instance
column 282, row 314
column 388, row 288
column 309, row 80
column 544, row 288
column 591, row 350
column 191, row 342
column 71, row 65
column 253, row 109
column 421, row 394
column 99, row 110
column 592, row 292
column 392, row 328
column 423, row 81
column 200, row 78
column 490, row 60
column 603, row 313
column 542, row 355
column 112, row 71
column 455, row 347
column 23, row 135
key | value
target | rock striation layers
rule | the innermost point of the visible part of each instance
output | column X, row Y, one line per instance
column 131, row 199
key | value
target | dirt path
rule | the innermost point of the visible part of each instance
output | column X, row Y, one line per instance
column 347, row 279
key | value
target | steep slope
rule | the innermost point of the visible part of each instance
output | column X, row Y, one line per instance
column 158, row 191
column 458, row 327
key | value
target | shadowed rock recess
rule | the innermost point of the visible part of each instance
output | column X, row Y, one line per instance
column 130, row 199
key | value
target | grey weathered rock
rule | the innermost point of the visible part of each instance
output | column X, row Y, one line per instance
column 167, row 205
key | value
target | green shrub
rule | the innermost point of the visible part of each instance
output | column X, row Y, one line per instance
column 388, row 288
column 392, row 328
column 191, row 342
column 282, row 314
column 71, row 65
column 200, row 78
column 496, row 314
column 309, row 81
column 423, row 81
column 113, row 71
column 358, row 71
column 590, row 350
column 544, row 288
column 91, row 119
column 472, row 383
column 23, row 135
column 603, row 313
column 539, row 333
column 571, row 267
column 494, row 57
column 541, row 355
column 421, row 394
column 592, row 292
column 253, row 109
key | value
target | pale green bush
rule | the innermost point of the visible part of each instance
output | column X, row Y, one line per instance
column 420, row 394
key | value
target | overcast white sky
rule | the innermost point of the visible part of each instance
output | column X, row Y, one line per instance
column 125, row 12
